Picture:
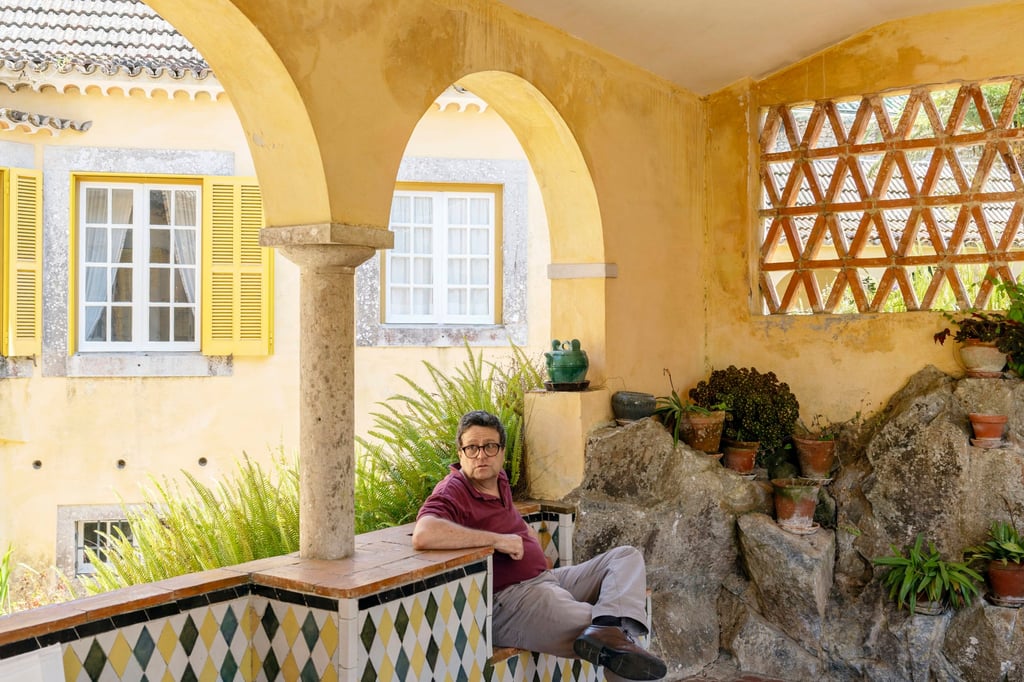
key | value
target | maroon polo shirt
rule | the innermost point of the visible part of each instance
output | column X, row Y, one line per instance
column 456, row 500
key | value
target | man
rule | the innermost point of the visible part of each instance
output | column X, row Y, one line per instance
column 592, row 610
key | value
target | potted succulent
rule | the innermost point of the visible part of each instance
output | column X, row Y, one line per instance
column 1003, row 554
column 699, row 427
column 816, row 446
column 760, row 409
column 924, row 582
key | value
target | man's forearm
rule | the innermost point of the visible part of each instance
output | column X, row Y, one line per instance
column 432, row 532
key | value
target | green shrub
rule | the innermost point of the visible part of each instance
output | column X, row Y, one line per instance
column 1004, row 544
column 412, row 443
column 250, row 515
column 5, row 581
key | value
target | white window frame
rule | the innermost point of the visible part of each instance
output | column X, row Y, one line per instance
column 440, row 258
column 141, row 266
column 82, row 565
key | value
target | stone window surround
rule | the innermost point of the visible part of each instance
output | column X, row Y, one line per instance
column 68, row 518
column 58, row 165
column 513, row 175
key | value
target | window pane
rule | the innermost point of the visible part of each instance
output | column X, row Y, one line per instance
column 185, row 285
column 121, row 323
column 95, row 205
column 400, row 211
column 184, row 324
column 399, row 272
column 480, row 242
column 479, row 302
column 121, row 287
column 422, row 272
column 121, row 243
column 185, row 207
column 456, row 271
column 400, row 303
column 401, row 240
column 479, row 271
column 96, row 285
column 422, row 301
column 125, row 527
column 159, row 285
column 422, row 240
column 457, row 301
column 480, row 211
column 159, row 246
column 123, row 207
column 458, row 212
column 159, row 207
column 423, row 210
column 457, row 238
column 95, row 245
column 95, row 324
column 159, row 324
column 185, row 247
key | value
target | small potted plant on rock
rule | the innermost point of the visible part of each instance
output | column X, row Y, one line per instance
column 699, row 427
column 761, row 412
column 991, row 340
column 1003, row 554
column 924, row 582
column 816, row 446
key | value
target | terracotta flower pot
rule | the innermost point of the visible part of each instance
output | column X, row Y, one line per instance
column 988, row 426
column 702, row 432
column 982, row 359
column 740, row 455
column 795, row 502
column 816, row 456
column 1007, row 583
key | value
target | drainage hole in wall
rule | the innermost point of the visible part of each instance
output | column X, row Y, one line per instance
column 37, row 464
column 120, row 464
column 202, row 461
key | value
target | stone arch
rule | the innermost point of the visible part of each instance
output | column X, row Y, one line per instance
column 578, row 268
column 281, row 137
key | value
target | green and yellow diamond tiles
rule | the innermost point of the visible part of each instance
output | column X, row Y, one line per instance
column 434, row 634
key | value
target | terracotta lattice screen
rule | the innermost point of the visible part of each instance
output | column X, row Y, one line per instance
column 897, row 201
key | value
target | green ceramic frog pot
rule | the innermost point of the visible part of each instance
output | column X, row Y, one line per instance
column 567, row 364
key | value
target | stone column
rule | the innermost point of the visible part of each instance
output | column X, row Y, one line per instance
column 327, row 256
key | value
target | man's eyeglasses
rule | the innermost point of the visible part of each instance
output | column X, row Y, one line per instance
column 474, row 451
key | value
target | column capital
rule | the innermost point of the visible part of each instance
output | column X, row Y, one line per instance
column 326, row 245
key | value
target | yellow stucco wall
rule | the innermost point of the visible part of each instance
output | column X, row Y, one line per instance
column 79, row 428
column 836, row 365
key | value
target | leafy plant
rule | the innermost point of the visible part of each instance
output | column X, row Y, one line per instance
column 760, row 407
column 1004, row 544
column 672, row 408
column 5, row 580
column 412, row 443
column 1006, row 330
column 250, row 515
column 925, row 575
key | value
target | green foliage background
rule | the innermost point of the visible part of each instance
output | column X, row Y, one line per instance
column 255, row 513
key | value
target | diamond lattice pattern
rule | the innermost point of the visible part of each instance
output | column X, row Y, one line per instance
column 897, row 201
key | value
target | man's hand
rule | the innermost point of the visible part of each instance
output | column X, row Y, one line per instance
column 510, row 544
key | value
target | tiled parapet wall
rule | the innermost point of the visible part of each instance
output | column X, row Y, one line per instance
column 388, row 612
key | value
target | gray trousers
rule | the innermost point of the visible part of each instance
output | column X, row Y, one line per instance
column 550, row 611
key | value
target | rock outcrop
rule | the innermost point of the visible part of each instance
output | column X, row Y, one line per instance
column 727, row 582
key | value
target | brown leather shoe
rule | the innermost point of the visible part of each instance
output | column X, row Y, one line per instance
column 611, row 647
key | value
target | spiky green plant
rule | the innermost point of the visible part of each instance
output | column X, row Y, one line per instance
column 5, row 580
column 412, row 442
column 249, row 515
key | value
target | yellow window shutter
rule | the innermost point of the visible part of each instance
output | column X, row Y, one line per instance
column 23, row 264
column 238, row 298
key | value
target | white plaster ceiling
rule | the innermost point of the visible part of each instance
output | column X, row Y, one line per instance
column 704, row 45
